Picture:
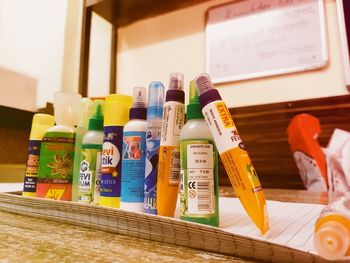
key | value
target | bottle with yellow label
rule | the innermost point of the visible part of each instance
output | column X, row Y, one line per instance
column 169, row 150
column 41, row 123
column 234, row 156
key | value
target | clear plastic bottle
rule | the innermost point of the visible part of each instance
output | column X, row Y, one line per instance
column 133, row 154
column 199, row 192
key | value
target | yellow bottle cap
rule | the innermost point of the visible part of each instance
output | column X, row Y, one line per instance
column 117, row 109
column 40, row 124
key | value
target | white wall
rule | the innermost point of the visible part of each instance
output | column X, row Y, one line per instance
column 32, row 41
column 150, row 49
column 99, row 59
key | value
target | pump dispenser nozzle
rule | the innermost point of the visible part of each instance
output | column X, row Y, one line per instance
column 175, row 91
column 203, row 83
column 176, row 81
column 66, row 107
column 155, row 99
column 139, row 109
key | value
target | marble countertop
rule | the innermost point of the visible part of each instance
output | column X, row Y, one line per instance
column 29, row 239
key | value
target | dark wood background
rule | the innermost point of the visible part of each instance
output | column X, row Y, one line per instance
column 263, row 129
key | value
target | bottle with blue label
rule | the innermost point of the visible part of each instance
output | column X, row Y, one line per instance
column 154, row 127
column 90, row 166
column 133, row 155
column 116, row 115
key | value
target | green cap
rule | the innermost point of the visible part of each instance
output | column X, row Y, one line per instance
column 96, row 121
column 194, row 109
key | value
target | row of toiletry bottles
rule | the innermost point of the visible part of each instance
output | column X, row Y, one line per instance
column 127, row 157
column 144, row 160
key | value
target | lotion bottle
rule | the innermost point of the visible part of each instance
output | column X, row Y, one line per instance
column 57, row 149
column 133, row 155
column 199, row 192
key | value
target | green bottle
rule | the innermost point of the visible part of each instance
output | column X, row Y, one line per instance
column 90, row 165
column 199, row 190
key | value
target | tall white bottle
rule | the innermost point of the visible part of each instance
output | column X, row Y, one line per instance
column 133, row 155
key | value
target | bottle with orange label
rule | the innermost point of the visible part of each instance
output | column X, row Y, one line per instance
column 234, row 156
column 169, row 150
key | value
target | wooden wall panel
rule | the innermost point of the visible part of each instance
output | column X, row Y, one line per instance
column 263, row 129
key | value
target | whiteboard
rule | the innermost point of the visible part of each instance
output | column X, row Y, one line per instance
column 258, row 38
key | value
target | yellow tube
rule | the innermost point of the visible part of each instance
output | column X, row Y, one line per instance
column 234, row 156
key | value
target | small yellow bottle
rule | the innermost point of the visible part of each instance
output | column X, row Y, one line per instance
column 40, row 124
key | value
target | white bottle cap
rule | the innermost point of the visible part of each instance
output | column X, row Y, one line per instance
column 66, row 108
column 332, row 240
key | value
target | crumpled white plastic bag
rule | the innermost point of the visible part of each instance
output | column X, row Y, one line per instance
column 338, row 161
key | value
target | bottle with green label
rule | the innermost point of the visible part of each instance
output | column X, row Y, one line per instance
column 57, row 150
column 90, row 166
column 199, row 194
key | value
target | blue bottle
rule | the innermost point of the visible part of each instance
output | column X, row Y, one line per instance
column 154, row 124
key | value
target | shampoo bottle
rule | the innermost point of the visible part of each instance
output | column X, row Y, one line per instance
column 234, row 156
column 169, row 150
column 90, row 166
column 40, row 124
column 199, row 192
column 134, row 150
column 154, row 126
column 116, row 115
column 57, row 149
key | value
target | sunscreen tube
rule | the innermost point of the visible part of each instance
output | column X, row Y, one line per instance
column 332, row 230
column 234, row 156
column 40, row 124
column 169, row 150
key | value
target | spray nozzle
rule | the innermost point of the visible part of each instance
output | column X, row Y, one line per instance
column 155, row 94
column 203, row 83
column 139, row 100
column 176, row 81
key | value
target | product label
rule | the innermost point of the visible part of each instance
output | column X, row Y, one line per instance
column 222, row 126
column 151, row 165
column 31, row 174
column 97, row 188
column 87, row 174
column 111, row 161
column 169, row 165
column 56, row 166
column 309, row 172
column 172, row 123
column 197, row 189
column 240, row 170
column 133, row 167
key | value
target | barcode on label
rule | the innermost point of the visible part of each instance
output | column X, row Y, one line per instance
column 203, row 196
column 174, row 176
